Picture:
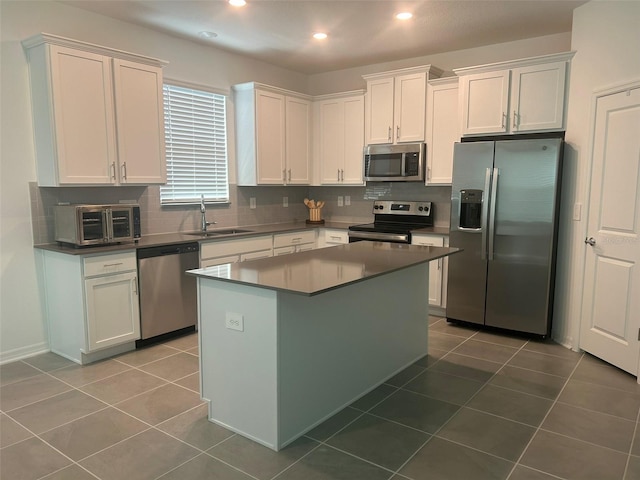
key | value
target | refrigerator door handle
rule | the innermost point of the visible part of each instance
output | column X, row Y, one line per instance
column 485, row 211
column 492, row 213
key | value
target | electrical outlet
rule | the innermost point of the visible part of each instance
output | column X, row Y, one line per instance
column 347, row 200
column 252, row 202
column 340, row 201
column 234, row 321
column 285, row 201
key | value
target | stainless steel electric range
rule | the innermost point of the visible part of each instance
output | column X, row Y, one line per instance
column 393, row 221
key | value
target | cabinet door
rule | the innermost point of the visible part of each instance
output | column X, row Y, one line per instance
column 83, row 117
column 332, row 138
column 379, row 119
column 409, row 107
column 443, row 130
column 537, row 97
column 112, row 312
column 353, row 169
column 435, row 268
column 270, row 137
column 209, row 262
column 298, row 141
column 140, row 123
column 484, row 101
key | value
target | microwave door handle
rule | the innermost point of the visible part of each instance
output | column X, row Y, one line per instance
column 107, row 218
column 403, row 165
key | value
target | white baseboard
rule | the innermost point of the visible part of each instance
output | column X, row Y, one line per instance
column 24, row 352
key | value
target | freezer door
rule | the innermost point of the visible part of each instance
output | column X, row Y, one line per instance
column 522, row 247
column 468, row 269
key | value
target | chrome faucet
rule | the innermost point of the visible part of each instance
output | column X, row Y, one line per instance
column 203, row 211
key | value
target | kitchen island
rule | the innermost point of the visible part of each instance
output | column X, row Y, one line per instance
column 286, row 342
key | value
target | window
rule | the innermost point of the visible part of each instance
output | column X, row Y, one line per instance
column 196, row 146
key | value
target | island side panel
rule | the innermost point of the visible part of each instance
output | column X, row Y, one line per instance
column 337, row 346
column 238, row 368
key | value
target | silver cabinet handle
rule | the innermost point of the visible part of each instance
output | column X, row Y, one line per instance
column 123, row 171
column 342, row 175
column 397, row 132
column 504, row 120
column 338, row 179
column 284, row 175
column 515, row 122
column 289, row 174
column 590, row 241
column 113, row 171
column 389, row 134
column 135, row 285
column 111, row 264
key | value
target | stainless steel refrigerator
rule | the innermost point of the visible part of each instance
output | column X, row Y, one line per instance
column 504, row 215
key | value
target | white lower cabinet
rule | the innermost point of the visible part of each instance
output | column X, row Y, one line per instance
column 292, row 242
column 238, row 250
column 329, row 237
column 437, row 269
column 91, row 304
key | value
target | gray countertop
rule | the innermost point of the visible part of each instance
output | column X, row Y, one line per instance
column 186, row 237
column 316, row 271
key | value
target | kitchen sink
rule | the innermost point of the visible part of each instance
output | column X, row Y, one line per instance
column 222, row 231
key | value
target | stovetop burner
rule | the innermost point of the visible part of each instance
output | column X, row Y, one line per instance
column 393, row 221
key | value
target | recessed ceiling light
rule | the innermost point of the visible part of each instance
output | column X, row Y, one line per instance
column 207, row 35
column 404, row 15
column 237, row 3
column 320, row 36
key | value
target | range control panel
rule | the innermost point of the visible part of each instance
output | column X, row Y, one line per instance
column 392, row 207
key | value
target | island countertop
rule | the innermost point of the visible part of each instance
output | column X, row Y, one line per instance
column 316, row 271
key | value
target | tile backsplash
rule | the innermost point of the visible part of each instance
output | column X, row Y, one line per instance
column 156, row 218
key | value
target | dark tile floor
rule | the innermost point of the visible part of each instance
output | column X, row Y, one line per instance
column 479, row 406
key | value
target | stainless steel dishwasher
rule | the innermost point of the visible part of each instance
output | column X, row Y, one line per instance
column 168, row 297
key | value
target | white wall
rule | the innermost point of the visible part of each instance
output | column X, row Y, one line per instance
column 23, row 329
column 606, row 37
column 351, row 79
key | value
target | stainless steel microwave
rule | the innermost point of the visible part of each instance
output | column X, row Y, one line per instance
column 394, row 163
column 83, row 225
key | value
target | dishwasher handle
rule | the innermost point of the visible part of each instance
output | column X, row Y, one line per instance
column 165, row 250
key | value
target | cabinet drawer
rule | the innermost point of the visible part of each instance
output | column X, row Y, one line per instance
column 234, row 247
column 336, row 236
column 294, row 238
column 107, row 264
column 435, row 241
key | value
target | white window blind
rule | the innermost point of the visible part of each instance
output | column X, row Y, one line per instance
column 196, row 146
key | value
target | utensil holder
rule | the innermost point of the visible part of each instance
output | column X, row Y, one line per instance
column 315, row 215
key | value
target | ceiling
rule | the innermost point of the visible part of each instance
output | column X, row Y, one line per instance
column 361, row 32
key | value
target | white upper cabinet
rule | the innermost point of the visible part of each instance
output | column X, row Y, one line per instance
column 97, row 113
column 514, row 97
column 339, row 138
column 443, row 129
column 273, row 135
column 395, row 105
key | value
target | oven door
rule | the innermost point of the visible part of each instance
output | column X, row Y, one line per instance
column 121, row 224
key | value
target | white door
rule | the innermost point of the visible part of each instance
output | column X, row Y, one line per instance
column 379, row 111
column 611, row 295
column 140, row 123
column 270, row 138
column 484, row 102
column 113, row 315
column 298, row 141
column 331, row 141
column 409, row 107
column 83, row 111
column 537, row 97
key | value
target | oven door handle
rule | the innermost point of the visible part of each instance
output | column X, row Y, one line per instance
column 380, row 236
